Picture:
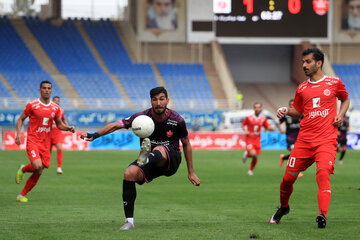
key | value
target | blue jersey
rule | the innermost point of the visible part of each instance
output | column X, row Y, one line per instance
column 168, row 131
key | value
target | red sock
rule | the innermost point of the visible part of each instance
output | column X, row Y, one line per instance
column 253, row 163
column 59, row 158
column 30, row 183
column 286, row 188
column 324, row 192
column 28, row 168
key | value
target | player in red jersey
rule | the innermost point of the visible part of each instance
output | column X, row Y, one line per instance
column 57, row 137
column 42, row 112
column 316, row 99
column 252, row 125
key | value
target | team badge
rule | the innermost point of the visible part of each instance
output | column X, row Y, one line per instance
column 52, row 114
column 169, row 133
column 326, row 92
column 316, row 102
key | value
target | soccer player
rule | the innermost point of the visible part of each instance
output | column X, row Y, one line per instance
column 316, row 100
column 160, row 153
column 252, row 128
column 57, row 137
column 342, row 141
column 42, row 112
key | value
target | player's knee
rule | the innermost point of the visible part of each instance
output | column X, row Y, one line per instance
column 132, row 173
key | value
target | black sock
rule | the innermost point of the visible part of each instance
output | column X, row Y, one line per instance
column 155, row 157
column 342, row 155
column 286, row 157
column 129, row 196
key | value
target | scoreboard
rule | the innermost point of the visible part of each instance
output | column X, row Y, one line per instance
column 272, row 18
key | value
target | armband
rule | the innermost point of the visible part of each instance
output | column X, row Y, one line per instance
column 286, row 110
column 93, row 135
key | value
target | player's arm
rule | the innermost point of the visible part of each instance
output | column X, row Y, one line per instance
column 62, row 126
column 111, row 127
column 244, row 127
column 280, row 128
column 281, row 112
column 188, row 156
column 19, row 125
column 345, row 103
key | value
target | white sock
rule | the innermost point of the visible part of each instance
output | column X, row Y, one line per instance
column 130, row 220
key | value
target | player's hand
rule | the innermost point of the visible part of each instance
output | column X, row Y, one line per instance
column 194, row 179
column 71, row 129
column 17, row 138
column 337, row 121
column 84, row 137
column 281, row 112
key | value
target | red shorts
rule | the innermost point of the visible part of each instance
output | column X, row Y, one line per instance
column 253, row 145
column 35, row 152
column 57, row 138
column 305, row 154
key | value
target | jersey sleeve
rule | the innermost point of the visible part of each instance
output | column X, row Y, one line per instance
column 266, row 124
column 126, row 122
column 62, row 115
column 28, row 109
column 245, row 122
column 58, row 113
column 298, row 104
column 183, row 133
column 341, row 92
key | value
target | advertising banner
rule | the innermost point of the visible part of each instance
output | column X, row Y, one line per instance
column 71, row 141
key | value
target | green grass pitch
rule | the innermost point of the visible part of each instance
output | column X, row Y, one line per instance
column 86, row 202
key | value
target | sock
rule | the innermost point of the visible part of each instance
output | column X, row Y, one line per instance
column 130, row 220
column 286, row 188
column 155, row 157
column 27, row 168
column 129, row 196
column 324, row 192
column 253, row 163
column 286, row 157
column 30, row 183
column 341, row 155
column 59, row 157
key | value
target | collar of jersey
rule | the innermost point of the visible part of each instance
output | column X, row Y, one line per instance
column 46, row 105
column 322, row 79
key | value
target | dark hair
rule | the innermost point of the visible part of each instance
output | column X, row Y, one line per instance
column 172, row 2
column 158, row 90
column 257, row 103
column 291, row 100
column 56, row 97
column 318, row 55
column 45, row 81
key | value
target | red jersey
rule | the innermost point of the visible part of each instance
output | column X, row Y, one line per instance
column 54, row 129
column 318, row 103
column 254, row 125
column 41, row 119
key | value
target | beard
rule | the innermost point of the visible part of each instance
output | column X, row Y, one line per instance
column 354, row 22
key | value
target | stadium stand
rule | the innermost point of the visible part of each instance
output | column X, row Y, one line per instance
column 350, row 75
column 136, row 78
column 188, row 85
column 70, row 54
column 20, row 68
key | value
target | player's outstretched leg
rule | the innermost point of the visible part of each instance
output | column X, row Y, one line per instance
column 276, row 217
column 144, row 152
column 59, row 157
column 281, row 160
column 244, row 157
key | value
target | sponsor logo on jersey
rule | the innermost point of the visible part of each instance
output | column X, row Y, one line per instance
column 315, row 86
column 329, row 83
column 316, row 113
column 52, row 114
column 303, row 87
column 43, row 129
column 316, row 102
column 171, row 122
column 169, row 133
column 327, row 92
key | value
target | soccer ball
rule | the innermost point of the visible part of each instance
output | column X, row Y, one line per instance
column 143, row 126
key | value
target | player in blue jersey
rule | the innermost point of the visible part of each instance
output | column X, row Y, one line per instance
column 160, row 154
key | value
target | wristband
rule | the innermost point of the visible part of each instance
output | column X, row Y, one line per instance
column 286, row 110
column 93, row 135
